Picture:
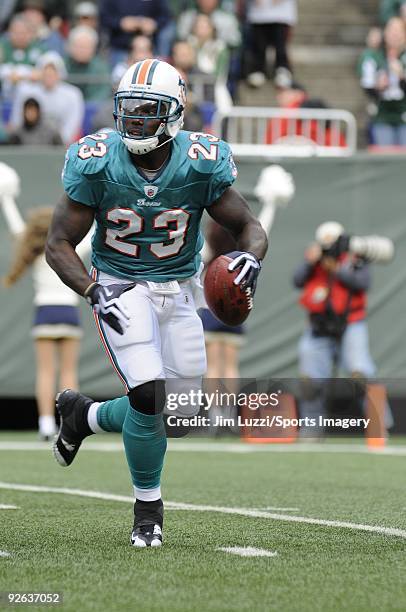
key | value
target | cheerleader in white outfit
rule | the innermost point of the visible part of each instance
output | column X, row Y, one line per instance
column 56, row 326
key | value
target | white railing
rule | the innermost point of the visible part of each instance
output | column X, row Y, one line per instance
column 302, row 132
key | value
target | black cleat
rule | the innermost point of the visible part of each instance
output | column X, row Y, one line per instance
column 148, row 520
column 147, row 535
column 73, row 408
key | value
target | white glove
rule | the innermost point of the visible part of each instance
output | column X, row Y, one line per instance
column 250, row 268
column 106, row 303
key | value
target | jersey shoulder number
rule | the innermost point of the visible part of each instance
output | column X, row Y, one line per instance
column 92, row 152
column 92, row 145
column 208, row 153
column 203, row 146
column 85, row 163
column 210, row 159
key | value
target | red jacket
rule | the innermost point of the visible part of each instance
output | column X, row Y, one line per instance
column 317, row 289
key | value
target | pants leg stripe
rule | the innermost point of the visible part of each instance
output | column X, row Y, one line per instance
column 103, row 338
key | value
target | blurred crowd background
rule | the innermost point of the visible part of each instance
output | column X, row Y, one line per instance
column 61, row 60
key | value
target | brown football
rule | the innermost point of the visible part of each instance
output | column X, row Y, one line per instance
column 227, row 301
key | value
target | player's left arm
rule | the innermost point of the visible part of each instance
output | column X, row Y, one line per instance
column 233, row 213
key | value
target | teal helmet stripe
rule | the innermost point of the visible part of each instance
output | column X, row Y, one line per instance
column 136, row 71
column 151, row 71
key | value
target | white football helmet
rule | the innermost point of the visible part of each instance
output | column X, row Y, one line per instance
column 150, row 90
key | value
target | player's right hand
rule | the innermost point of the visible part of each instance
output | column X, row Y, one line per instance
column 106, row 303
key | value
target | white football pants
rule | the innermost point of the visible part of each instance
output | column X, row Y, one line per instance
column 164, row 339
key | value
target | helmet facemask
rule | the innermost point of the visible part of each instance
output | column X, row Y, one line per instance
column 135, row 114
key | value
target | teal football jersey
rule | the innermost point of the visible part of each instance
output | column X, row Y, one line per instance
column 148, row 229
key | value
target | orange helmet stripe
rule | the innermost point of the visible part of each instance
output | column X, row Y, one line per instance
column 143, row 72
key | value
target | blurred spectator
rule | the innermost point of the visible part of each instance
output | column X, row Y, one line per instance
column 226, row 24
column 53, row 8
column 391, row 8
column 290, row 98
column 184, row 60
column 212, row 55
column 7, row 8
column 374, row 38
column 383, row 78
column 122, row 19
column 311, row 130
column 61, row 102
column 177, row 7
column 34, row 130
column 103, row 117
column 141, row 48
column 366, row 67
column 3, row 131
column 368, row 57
column 270, row 24
column 86, row 14
column 194, row 120
column 85, row 68
column 19, row 51
column 51, row 39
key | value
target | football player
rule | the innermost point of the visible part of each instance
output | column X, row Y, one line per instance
column 146, row 185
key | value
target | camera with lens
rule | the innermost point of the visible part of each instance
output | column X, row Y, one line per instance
column 337, row 248
column 333, row 241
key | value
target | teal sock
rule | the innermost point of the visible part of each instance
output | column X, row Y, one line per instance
column 111, row 414
column 145, row 445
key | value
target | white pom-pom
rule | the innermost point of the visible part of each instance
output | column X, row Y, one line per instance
column 275, row 185
column 9, row 181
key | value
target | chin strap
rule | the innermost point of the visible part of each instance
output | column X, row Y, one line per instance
column 148, row 144
column 141, row 149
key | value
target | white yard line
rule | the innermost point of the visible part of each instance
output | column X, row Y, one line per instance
column 8, row 507
column 223, row 447
column 64, row 491
column 249, row 551
column 280, row 509
column 390, row 531
column 4, row 553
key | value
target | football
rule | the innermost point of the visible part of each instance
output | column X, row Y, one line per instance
column 227, row 301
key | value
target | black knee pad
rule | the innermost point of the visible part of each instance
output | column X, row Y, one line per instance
column 148, row 398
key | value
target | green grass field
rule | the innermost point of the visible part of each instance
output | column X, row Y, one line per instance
column 238, row 496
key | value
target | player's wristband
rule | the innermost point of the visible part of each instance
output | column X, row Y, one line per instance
column 89, row 291
column 259, row 261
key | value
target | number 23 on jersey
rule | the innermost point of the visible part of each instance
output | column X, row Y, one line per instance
column 117, row 239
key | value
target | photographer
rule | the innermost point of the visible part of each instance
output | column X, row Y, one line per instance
column 335, row 282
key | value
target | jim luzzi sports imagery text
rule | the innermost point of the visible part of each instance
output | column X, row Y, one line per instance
column 275, row 421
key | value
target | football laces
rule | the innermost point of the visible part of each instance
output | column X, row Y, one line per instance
column 250, row 299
